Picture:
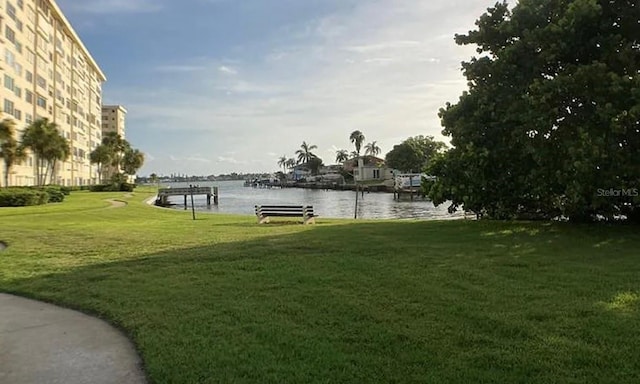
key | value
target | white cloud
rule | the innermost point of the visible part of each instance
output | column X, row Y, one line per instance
column 230, row 160
column 227, row 70
column 385, row 68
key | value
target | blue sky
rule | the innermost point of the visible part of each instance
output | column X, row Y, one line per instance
column 220, row 86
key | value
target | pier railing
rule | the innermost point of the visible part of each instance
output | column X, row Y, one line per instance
column 165, row 193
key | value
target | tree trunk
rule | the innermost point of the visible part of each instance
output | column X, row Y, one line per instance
column 38, row 171
column 6, row 175
column 53, row 172
column 46, row 172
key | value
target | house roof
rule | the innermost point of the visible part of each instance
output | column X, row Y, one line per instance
column 369, row 161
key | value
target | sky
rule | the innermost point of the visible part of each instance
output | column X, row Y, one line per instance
column 221, row 86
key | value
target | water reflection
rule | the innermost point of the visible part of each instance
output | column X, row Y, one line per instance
column 237, row 199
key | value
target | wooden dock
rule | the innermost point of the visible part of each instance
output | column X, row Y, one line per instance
column 165, row 193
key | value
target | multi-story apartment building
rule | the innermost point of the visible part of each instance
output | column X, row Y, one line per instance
column 47, row 72
column 114, row 119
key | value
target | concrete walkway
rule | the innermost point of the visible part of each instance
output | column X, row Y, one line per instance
column 44, row 344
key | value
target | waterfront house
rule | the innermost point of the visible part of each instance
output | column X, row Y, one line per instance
column 369, row 169
column 300, row 172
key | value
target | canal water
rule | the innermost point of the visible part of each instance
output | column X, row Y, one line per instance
column 237, row 199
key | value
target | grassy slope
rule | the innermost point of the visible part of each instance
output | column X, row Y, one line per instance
column 222, row 299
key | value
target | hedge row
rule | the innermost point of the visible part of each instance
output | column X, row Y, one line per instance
column 117, row 187
column 29, row 196
column 22, row 197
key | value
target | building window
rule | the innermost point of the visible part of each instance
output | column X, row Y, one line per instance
column 8, row 107
column 8, row 82
column 376, row 173
column 42, row 83
column 18, row 114
column 28, row 118
column 9, row 57
column 42, row 102
column 21, row 4
column 28, row 96
column 29, row 76
column 10, row 34
column 11, row 10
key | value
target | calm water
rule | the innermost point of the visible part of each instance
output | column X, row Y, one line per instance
column 238, row 199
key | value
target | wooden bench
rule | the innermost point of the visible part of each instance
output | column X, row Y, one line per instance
column 264, row 212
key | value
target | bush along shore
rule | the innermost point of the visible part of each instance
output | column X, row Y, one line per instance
column 30, row 196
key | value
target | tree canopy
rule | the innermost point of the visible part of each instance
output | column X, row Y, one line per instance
column 357, row 138
column 10, row 152
column 304, row 153
column 115, row 155
column 372, row 149
column 48, row 146
column 552, row 115
column 414, row 154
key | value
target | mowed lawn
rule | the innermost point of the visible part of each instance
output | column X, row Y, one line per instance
column 225, row 300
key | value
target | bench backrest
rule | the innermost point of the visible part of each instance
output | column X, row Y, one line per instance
column 293, row 209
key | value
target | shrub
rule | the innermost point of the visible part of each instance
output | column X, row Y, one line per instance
column 126, row 187
column 116, row 187
column 55, row 194
column 65, row 190
column 22, row 197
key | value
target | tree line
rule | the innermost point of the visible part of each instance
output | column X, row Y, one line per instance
column 114, row 157
column 412, row 155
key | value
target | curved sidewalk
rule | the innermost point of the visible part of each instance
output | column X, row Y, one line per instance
column 41, row 343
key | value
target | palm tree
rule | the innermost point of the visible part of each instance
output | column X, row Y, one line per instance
column 291, row 163
column 357, row 138
column 354, row 155
column 59, row 150
column 10, row 152
column 101, row 157
column 43, row 139
column 132, row 160
column 117, row 146
column 342, row 155
column 7, row 128
column 372, row 149
column 304, row 153
column 282, row 162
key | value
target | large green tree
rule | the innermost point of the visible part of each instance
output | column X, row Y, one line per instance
column 43, row 139
column 414, row 154
column 552, row 115
column 10, row 151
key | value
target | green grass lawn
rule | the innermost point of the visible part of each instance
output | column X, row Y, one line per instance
column 225, row 300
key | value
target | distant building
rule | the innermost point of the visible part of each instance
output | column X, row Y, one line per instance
column 368, row 168
column 300, row 172
column 114, row 119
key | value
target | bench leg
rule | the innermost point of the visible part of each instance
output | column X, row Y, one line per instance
column 309, row 220
column 263, row 219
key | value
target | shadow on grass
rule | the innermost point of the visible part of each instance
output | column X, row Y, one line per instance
column 374, row 302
